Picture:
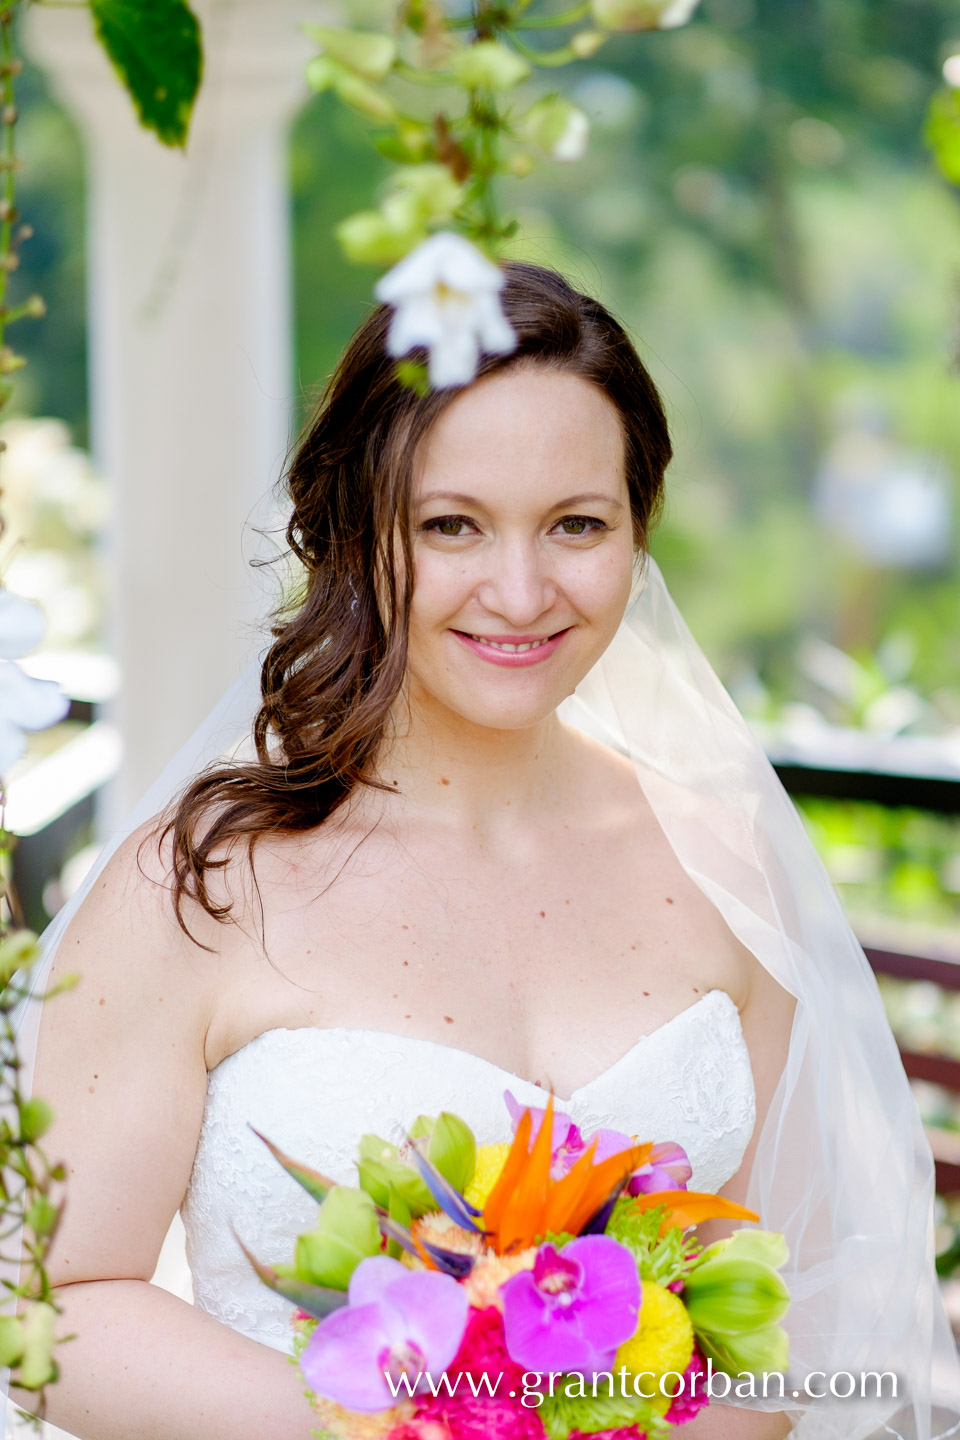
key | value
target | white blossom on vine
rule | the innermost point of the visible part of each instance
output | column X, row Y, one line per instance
column 446, row 298
column 25, row 703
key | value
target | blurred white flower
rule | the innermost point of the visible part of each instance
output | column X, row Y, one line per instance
column 21, row 626
column 445, row 295
column 643, row 14
column 25, row 703
column 558, row 128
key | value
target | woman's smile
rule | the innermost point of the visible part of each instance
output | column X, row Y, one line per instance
column 512, row 651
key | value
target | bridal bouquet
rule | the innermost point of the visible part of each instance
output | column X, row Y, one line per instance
column 551, row 1287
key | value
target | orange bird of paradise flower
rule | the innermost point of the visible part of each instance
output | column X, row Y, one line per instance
column 526, row 1204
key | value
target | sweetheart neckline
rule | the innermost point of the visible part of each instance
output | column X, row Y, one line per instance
column 420, row 1040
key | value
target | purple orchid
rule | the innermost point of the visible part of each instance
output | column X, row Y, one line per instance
column 667, row 1168
column 572, row 1310
column 567, row 1143
column 395, row 1324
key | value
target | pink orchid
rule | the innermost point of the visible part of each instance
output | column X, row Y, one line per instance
column 667, row 1168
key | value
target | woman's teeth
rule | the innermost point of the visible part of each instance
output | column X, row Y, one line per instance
column 510, row 649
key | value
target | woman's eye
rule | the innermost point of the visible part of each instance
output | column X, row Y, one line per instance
column 579, row 524
column 452, row 525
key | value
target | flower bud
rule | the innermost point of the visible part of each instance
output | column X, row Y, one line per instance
column 368, row 54
column 42, row 1216
column 642, row 14
column 557, row 127
column 36, row 1365
column 11, row 1340
column 373, row 238
column 521, row 164
column 36, row 1117
column 346, row 1232
column 366, row 98
column 586, row 43
column 432, row 187
column 18, row 950
column 489, row 65
column 322, row 72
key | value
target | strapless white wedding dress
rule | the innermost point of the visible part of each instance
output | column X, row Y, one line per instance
column 315, row 1092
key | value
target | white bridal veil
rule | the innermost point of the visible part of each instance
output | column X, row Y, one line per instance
column 842, row 1166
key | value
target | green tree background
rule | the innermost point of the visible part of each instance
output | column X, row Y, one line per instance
column 758, row 205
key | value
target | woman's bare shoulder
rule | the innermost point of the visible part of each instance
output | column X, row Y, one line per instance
column 126, row 932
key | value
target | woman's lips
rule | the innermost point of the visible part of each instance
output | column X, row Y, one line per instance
column 512, row 651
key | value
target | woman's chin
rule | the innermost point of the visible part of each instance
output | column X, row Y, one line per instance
column 496, row 713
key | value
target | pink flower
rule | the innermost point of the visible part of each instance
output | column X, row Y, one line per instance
column 622, row 1432
column 572, row 1310
column 693, row 1396
column 465, row 1416
column 667, row 1168
column 567, row 1143
column 397, row 1324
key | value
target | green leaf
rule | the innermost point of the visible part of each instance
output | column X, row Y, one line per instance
column 156, row 51
column 943, row 132
column 316, row 1300
column 315, row 1184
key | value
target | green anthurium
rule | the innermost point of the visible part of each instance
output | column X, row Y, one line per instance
column 734, row 1298
column 37, row 1366
column 346, row 1232
column 757, row 1351
column 452, row 1148
column 383, row 1173
column 767, row 1246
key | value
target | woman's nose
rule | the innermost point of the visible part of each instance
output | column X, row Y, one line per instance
column 518, row 586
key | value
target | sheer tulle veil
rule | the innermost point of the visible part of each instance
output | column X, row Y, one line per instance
column 842, row 1166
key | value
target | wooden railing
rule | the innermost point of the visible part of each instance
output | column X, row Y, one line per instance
column 938, row 792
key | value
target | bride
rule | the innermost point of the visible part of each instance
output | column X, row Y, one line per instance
column 428, row 885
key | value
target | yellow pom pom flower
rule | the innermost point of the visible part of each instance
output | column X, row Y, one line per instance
column 490, row 1161
column 664, row 1338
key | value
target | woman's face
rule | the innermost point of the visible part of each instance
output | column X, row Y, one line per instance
column 523, row 547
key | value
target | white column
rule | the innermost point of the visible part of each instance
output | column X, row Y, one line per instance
column 189, row 321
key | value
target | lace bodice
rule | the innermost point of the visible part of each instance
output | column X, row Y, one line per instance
column 315, row 1092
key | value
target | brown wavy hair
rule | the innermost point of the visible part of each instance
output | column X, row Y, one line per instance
column 337, row 663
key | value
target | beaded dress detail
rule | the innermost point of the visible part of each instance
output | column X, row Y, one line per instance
column 314, row 1092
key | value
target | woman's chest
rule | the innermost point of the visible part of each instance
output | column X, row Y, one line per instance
column 550, row 964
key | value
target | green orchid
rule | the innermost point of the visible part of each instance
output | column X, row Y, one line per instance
column 346, row 1232
column 735, row 1297
column 448, row 1144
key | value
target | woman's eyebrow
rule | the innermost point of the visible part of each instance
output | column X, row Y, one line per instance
column 455, row 497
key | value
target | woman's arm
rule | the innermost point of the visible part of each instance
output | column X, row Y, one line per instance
column 121, row 1060
column 147, row 1366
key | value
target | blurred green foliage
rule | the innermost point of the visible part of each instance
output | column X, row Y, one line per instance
column 901, row 864
column 758, row 205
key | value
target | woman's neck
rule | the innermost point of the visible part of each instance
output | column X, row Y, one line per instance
column 451, row 771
